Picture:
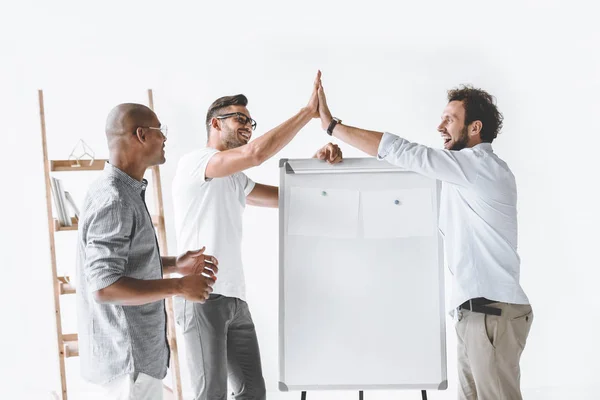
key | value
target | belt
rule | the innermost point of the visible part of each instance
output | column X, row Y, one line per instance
column 479, row 305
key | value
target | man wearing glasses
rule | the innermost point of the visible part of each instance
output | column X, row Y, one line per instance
column 210, row 192
column 120, row 286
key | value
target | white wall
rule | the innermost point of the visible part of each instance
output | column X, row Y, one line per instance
column 385, row 66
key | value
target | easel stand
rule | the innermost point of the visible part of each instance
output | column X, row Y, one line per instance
column 362, row 397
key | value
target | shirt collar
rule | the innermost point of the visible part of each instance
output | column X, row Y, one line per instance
column 137, row 186
column 485, row 147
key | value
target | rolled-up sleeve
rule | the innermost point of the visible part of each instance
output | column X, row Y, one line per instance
column 107, row 243
column 457, row 167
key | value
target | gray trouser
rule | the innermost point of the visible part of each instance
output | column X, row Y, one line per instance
column 221, row 343
column 489, row 351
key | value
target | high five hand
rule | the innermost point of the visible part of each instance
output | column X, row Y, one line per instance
column 313, row 103
column 324, row 112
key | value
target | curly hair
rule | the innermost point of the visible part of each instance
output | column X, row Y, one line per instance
column 222, row 102
column 479, row 106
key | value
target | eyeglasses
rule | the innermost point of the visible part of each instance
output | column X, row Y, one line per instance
column 163, row 129
column 241, row 118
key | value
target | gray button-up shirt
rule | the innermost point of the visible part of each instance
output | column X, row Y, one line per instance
column 117, row 239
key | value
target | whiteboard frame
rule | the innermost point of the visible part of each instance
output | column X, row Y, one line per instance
column 350, row 165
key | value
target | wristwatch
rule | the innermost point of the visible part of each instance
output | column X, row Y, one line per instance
column 332, row 125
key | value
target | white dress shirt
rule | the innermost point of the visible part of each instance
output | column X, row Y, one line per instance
column 478, row 216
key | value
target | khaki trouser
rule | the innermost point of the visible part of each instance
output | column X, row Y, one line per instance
column 489, row 350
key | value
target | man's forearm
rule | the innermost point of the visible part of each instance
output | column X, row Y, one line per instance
column 277, row 138
column 168, row 264
column 134, row 292
column 367, row 141
column 263, row 196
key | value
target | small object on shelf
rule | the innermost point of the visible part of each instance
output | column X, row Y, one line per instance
column 72, row 204
column 80, row 151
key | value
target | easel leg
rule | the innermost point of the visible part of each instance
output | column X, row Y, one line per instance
column 361, row 395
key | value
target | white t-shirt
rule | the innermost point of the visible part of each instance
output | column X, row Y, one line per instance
column 208, row 212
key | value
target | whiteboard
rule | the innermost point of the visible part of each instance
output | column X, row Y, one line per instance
column 361, row 287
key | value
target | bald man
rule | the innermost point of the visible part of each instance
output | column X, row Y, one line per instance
column 120, row 287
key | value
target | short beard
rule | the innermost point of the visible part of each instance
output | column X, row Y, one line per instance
column 231, row 141
column 462, row 142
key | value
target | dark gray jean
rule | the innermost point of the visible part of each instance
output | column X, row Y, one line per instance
column 221, row 344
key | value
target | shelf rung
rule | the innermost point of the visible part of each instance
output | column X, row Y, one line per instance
column 71, row 345
column 74, row 165
column 59, row 228
column 66, row 286
column 69, row 337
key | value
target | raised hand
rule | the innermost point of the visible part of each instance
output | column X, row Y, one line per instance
column 324, row 112
column 313, row 103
